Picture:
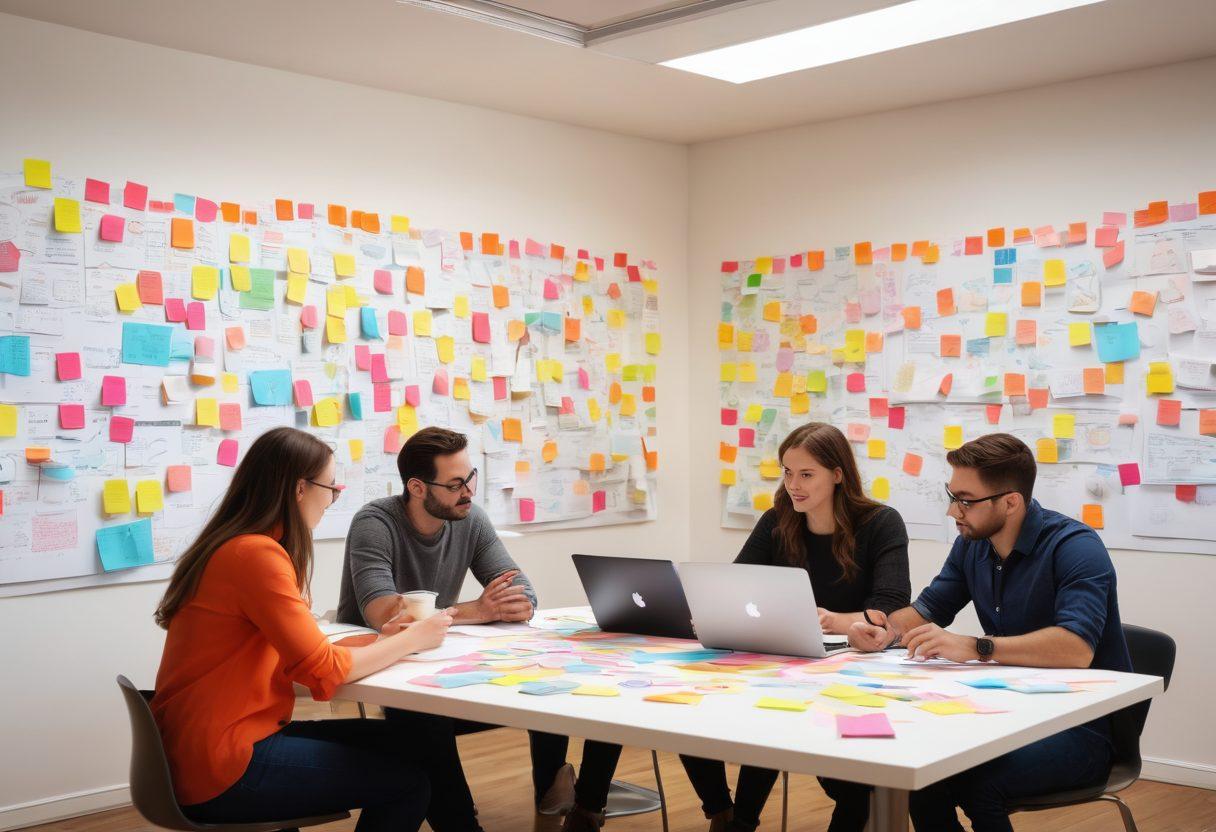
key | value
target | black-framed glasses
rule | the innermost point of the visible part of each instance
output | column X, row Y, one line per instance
column 966, row 504
column 336, row 490
column 469, row 482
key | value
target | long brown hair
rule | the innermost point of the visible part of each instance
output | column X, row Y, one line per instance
column 260, row 500
column 850, row 506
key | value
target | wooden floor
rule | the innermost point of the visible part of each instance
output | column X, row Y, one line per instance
column 496, row 764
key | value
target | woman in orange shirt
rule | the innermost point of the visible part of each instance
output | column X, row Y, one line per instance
column 240, row 633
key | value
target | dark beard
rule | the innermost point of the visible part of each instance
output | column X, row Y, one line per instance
column 441, row 512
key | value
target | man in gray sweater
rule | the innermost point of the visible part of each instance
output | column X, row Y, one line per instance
column 428, row 539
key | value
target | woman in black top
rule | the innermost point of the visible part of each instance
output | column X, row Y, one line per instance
column 856, row 551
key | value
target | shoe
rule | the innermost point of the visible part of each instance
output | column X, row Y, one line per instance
column 547, row 823
column 720, row 822
column 559, row 799
column 580, row 820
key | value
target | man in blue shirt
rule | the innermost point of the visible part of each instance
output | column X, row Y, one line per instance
column 1044, row 590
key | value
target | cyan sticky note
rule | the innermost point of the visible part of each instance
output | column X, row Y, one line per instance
column 552, row 321
column 1002, row 275
column 1117, row 342
column 544, row 687
column 992, row 684
column 1006, row 256
column 354, row 402
column 368, row 323
column 183, row 204
column 15, row 355
column 270, row 387
column 147, row 344
column 460, row 680
column 125, row 546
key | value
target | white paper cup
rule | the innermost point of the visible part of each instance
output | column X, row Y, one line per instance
column 420, row 603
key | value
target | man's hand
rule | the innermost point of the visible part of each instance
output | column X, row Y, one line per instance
column 501, row 601
column 930, row 641
column 871, row 638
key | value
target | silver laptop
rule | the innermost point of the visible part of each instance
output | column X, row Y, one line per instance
column 757, row 609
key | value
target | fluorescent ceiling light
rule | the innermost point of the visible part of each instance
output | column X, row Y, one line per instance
column 894, row 27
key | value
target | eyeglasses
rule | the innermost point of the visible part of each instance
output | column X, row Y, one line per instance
column 335, row 489
column 469, row 482
column 966, row 504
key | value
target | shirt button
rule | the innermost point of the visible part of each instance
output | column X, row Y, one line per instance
column 998, row 609
column 998, row 567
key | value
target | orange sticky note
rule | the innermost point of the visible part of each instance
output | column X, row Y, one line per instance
column 912, row 464
column 808, row 324
column 873, row 342
column 727, row 452
column 1091, row 515
column 863, row 254
column 1032, row 293
column 370, row 222
column 284, row 210
column 230, row 212
column 1207, row 422
column 1114, row 372
column 1095, row 380
column 1169, row 412
column 899, row 252
column 911, row 316
column 573, row 326
column 919, row 247
column 814, row 260
column 932, row 254
column 951, row 346
column 1078, row 232
column 596, row 463
column 548, row 451
column 996, row 237
column 181, row 233
column 502, row 297
column 415, row 280
column 1026, row 332
column 1207, row 202
column 235, row 335
column 945, row 302
column 337, row 215
column 1143, row 303
column 1015, row 384
column 489, row 243
column 1037, row 396
column 512, row 430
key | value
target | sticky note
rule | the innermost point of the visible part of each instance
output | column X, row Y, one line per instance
column 1054, row 273
column 1064, row 426
column 298, row 261
column 880, row 489
column 1015, row 384
column 1026, row 332
column 947, row 707
column 297, row 288
column 37, row 173
column 1117, row 341
column 1094, row 381
column 774, row 704
column 996, row 324
column 681, row 698
column 1046, row 450
column 67, row 365
column 126, row 546
column 1091, row 515
column 113, row 391
column 67, row 216
column 951, row 346
column 178, row 478
column 952, row 437
column 227, row 452
column 8, row 420
column 122, row 429
column 1143, row 303
column 913, row 464
column 876, row 449
column 146, row 344
column 945, row 302
column 1113, row 256
column 1129, row 473
column 148, row 497
column 344, row 265
column 1169, row 412
column 1032, row 293
column 653, row 343
column 271, row 387
column 181, row 233
column 127, row 297
column 866, row 726
column 206, row 412
column 1159, row 378
column 415, row 280
column 1079, row 334
column 1207, row 422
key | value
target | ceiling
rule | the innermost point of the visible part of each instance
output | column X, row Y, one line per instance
column 379, row 43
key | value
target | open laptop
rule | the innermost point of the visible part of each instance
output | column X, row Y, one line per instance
column 635, row 595
column 757, row 609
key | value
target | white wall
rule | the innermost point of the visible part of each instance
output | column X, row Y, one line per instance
column 1047, row 155
column 111, row 109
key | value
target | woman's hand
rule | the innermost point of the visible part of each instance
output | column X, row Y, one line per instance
column 828, row 621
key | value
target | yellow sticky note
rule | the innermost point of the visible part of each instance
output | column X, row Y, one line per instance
column 772, row 311
column 127, row 295
column 356, row 449
column 8, row 420
column 297, row 261
column 753, row 413
column 116, row 497
column 207, row 412
column 445, row 345
column 1114, row 372
column 816, row 381
column 1046, row 450
column 629, row 404
column 1079, row 334
column 230, row 382
column 67, row 215
column 422, row 322
column 37, row 173
column 675, row 698
column 612, row 363
column 728, row 371
column 1159, row 378
column 204, row 282
column 335, row 301
column 1064, row 426
column 747, row 372
column 728, row 476
column 996, row 324
column 238, row 250
column 800, row 403
column 149, row 497
column 770, row 469
column 653, row 343
column 946, row 707
column 460, row 307
column 460, row 389
column 743, row 340
column 407, row 419
column 335, row 329
column 297, row 287
column 762, row 501
column 726, row 336
column 477, row 368
column 952, row 437
column 399, row 224
column 771, row 703
column 881, row 488
column 783, row 386
column 595, row 690
column 593, row 409
column 1053, row 273
column 344, row 264
column 241, row 277
column 876, row 449
column 764, row 265
column 327, row 412
column 616, row 319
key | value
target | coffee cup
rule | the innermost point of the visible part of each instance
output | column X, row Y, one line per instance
column 419, row 604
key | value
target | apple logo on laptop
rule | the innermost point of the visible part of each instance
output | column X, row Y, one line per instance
column 637, row 599
column 752, row 610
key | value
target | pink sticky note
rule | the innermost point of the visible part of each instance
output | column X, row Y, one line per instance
column 856, row 383
column 303, row 390
column 584, row 379
column 1184, row 212
column 879, row 407
column 379, row 370
column 1113, row 256
column 382, row 280
column 1169, row 412
column 730, row 416
column 196, row 315
column 10, row 257
column 1106, row 236
column 111, row 228
column 874, row 726
column 1186, row 493
column 113, row 391
column 533, row 248
column 97, row 191
column 204, row 346
column 852, row 312
column 175, row 310
column 440, row 385
column 305, row 210
column 567, row 405
column 635, row 275
column 396, row 323
column 121, row 429
column 230, row 416
column 179, row 477
column 205, row 210
column 527, row 510
column 308, row 317
column 363, row 357
column 599, row 501
column 551, row 292
column 151, row 288
column 1129, row 473
column 1117, row 218
column 994, row 414
column 500, row 388
column 226, row 455
column 1129, row 420
column 382, row 398
column 513, row 250
column 392, row 439
column 747, row 437
column 896, row 417
column 135, row 195
column 71, row 416
column 67, row 365
column 481, row 327
column 413, row 396
column 857, row 432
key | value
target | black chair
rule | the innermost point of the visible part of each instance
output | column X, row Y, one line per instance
column 1153, row 654
column 152, row 784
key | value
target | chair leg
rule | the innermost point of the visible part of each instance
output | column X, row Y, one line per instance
column 362, row 710
column 1129, row 821
column 658, row 781
column 785, row 800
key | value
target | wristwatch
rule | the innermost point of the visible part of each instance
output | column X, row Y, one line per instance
column 985, row 647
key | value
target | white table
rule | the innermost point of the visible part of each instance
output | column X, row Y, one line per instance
column 927, row 748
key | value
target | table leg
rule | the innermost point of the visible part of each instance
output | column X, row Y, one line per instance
column 888, row 810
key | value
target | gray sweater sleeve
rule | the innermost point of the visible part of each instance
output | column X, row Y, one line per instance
column 369, row 555
column 490, row 556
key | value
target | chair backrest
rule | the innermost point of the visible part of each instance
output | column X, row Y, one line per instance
column 151, row 782
column 1152, row 653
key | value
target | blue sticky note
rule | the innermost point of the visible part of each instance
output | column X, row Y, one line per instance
column 147, row 344
column 690, row 656
column 977, row 346
column 181, row 346
column 460, row 680
column 15, row 355
column 61, row 473
column 125, row 546
column 1002, row 275
column 991, row 684
column 542, row 687
column 551, row 321
column 1006, row 256
column 368, row 323
column 1044, row 687
column 183, row 204
column 354, row 402
column 1117, row 342
column 582, row 668
column 270, row 387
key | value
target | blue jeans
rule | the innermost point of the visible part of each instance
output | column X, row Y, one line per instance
column 1072, row 759
column 318, row 768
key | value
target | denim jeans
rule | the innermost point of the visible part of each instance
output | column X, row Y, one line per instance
column 1072, row 759
column 318, row 768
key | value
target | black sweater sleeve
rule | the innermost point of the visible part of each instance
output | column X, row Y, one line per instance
column 886, row 542
column 760, row 547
